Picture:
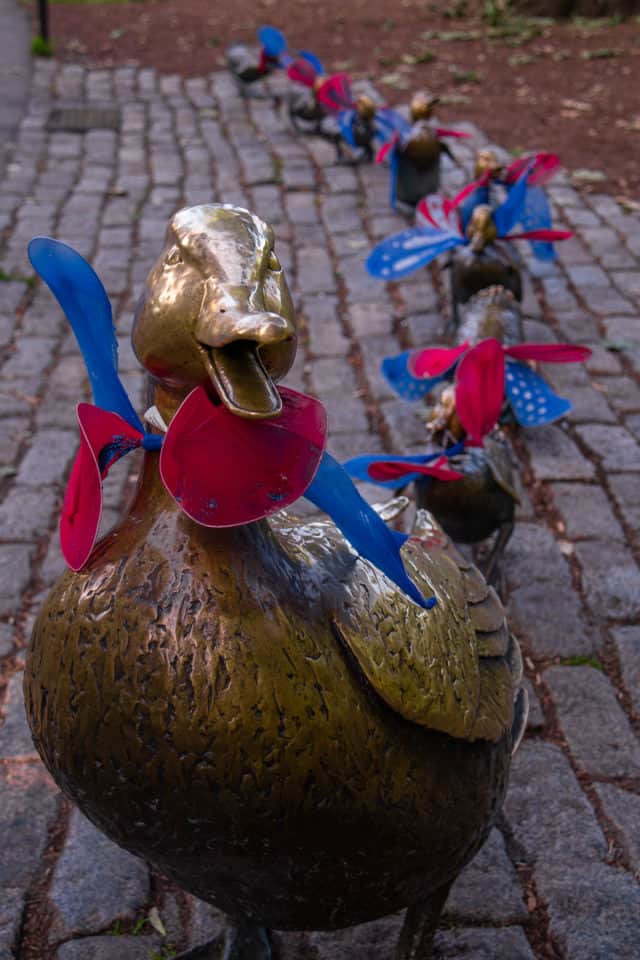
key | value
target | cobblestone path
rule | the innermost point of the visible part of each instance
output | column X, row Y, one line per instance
column 558, row 878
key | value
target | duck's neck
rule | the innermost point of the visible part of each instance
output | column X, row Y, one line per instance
column 165, row 399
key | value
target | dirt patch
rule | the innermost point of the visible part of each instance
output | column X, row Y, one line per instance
column 569, row 87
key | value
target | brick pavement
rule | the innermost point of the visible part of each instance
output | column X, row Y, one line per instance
column 558, row 878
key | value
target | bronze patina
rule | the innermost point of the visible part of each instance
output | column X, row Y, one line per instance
column 419, row 154
column 483, row 502
column 483, row 262
column 257, row 711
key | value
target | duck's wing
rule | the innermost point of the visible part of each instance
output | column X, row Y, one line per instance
column 455, row 668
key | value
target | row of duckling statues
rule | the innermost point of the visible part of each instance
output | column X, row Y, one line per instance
column 326, row 105
column 489, row 382
column 308, row 723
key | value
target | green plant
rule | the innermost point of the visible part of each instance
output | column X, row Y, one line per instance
column 582, row 660
column 41, row 47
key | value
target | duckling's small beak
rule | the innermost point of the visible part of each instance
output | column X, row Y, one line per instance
column 235, row 367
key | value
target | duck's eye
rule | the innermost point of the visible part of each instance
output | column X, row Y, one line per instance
column 274, row 263
column 173, row 258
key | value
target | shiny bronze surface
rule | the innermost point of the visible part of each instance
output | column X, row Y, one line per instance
column 493, row 312
column 480, row 265
column 217, row 299
column 422, row 106
column 486, row 161
column 255, row 710
column 418, row 166
column 472, row 509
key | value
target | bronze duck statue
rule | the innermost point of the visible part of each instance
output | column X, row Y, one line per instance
column 415, row 151
column 257, row 710
column 247, row 65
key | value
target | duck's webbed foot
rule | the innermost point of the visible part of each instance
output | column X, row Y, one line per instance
column 243, row 940
column 420, row 925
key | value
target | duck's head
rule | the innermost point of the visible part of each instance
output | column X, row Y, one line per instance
column 481, row 229
column 422, row 106
column 487, row 162
column 365, row 107
column 216, row 311
column 443, row 424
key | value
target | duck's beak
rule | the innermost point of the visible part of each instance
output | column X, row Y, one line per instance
column 232, row 357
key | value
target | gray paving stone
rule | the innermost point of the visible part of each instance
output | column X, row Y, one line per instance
column 29, row 807
column 108, row 948
column 626, row 491
column 594, row 910
column 622, row 393
column 586, row 511
column 370, row 320
column 543, row 608
column 15, row 735
column 627, row 281
column 376, row 940
column 549, row 814
column 621, row 329
column 15, row 432
column 627, row 643
column 7, row 639
column 509, row 943
column 15, row 573
column 26, row 512
column 610, row 578
column 554, row 455
column 11, row 907
column 623, row 810
column 490, row 869
column 30, row 358
column 94, row 882
column 205, row 922
column 315, row 271
column 597, row 730
column 48, row 458
column 614, row 446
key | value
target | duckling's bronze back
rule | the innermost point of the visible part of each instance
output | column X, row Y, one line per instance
column 262, row 714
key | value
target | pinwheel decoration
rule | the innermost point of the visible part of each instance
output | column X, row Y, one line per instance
column 221, row 469
column 273, row 49
column 361, row 123
column 248, row 65
column 489, row 366
column 479, row 393
column 441, row 230
column 535, row 213
column 479, row 494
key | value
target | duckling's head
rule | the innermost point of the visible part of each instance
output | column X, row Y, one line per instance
column 487, row 162
column 481, row 229
column 365, row 107
column 216, row 311
column 421, row 106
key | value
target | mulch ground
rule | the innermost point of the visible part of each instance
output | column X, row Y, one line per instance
column 568, row 86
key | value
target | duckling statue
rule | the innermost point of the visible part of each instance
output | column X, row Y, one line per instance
column 491, row 175
column 326, row 105
column 479, row 259
column 248, row 65
column 239, row 696
column 466, row 481
column 491, row 385
column 415, row 151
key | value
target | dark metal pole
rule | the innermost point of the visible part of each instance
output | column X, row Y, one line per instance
column 43, row 9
